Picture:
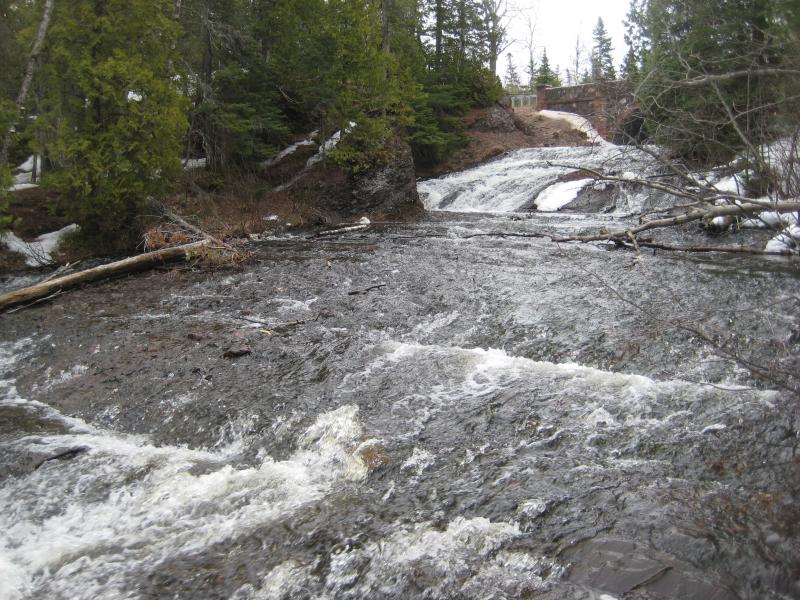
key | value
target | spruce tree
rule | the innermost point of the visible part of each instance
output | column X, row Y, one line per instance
column 546, row 76
column 512, row 80
column 602, row 57
column 736, row 49
column 115, row 117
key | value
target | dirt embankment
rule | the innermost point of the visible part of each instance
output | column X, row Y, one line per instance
column 495, row 130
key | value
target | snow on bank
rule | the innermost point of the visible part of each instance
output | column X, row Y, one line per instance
column 559, row 195
column 23, row 180
column 194, row 163
column 578, row 122
column 787, row 241
column 309, row 141
column 38, row 252
column 329, row 145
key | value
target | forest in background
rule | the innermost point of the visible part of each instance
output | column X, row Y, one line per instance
column 122, row 90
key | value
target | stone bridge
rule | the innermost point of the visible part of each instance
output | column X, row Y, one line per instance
column 609, row 105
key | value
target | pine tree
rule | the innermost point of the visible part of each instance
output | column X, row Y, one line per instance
column 546, row 75
column 635, row 38
column 115, row 115
column 630, row 68
column 602, row 57
column 741, row 45
column 512, row 80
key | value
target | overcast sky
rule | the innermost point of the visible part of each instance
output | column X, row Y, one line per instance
column 558, row 23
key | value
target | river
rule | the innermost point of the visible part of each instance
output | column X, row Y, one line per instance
column 444, row 409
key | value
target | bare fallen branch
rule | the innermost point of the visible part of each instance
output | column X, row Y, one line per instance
column 706, row 249
column 178, row 220
column 366, row 290
column 341, row 230
column 120, row 267
column 689, row 217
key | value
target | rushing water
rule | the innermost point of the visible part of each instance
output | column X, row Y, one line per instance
column 436, row 410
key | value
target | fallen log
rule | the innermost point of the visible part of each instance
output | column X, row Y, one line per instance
column 748, row 208
column 121, row 267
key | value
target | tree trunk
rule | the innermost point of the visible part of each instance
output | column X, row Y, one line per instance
column 121, row 267
column 30, row 69
column 439, row 30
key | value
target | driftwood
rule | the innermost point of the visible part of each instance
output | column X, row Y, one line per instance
column 341, row 230
column 121, row 267
column 744, row 208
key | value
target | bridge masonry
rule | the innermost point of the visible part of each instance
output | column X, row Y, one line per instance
column 607, row 104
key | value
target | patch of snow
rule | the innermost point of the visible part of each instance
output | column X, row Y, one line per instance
column 329, row 145
column 22, row 186
column 721, row 222
column 27, row 166
column 38, row 252
column 194, row 163
column 730, row 185
column 291, row 150
column 770, row 218
column 559, row 195
column 26, row 177
column 578, row 122
column 786, row 242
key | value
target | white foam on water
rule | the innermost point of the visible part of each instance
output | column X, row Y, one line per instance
column 418, row 461
column 463, row 559
column 514, row 181
column 583, row 399
column 83, row 528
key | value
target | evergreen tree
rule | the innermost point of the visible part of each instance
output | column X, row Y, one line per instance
column 635, row 39
column 740, row 45
column 115, row 115
column 513, row 83
column 546, row 76
column 630, row 68
column 602, row 57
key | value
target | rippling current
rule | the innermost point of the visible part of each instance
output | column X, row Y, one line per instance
column 443, row 409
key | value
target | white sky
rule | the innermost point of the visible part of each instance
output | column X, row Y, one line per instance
column 558, row 23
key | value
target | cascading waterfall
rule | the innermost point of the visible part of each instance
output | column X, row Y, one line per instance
column 520, row 180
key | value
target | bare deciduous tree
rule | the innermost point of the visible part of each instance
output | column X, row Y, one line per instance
column 27, row 80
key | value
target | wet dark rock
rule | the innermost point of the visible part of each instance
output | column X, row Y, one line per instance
column 237, row 350
column 65, row 455
column 598, row 198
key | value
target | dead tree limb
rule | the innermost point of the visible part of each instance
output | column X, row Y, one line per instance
column 30, row 69
column 707, row 249
column 341, row 230
column 180, row 221
column 689, row 217
column 121, row 267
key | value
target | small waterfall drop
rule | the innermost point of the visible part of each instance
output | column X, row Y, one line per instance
column 517, row 180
